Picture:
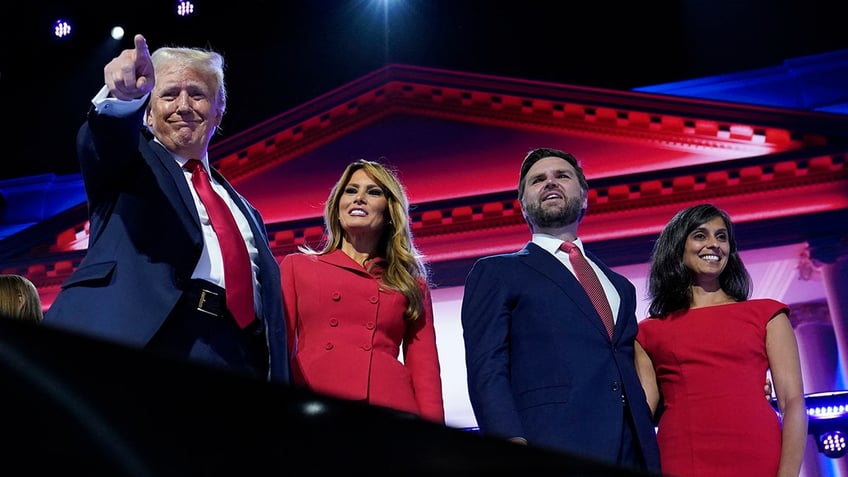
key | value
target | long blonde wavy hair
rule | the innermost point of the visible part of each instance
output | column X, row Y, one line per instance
column 406, row 270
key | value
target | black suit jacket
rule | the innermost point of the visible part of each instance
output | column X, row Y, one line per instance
column 540, row 363
column 145, row 241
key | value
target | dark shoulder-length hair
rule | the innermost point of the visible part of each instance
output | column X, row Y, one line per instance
column 670, row 281
column 406, row 270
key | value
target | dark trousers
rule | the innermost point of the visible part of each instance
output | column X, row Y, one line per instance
column 217, row 341
column 630, row 454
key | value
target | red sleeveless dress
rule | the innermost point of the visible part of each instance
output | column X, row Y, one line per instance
column 711, row 368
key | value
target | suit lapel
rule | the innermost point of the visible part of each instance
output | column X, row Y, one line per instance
column 237, row 198
column 337, row 258
column 548, row 265
column 267, row 260
column 173, row 182
column 256, row 226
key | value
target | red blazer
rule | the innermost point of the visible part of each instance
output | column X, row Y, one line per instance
column 346, row 334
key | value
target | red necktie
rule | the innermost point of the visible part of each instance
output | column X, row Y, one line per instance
column 238, row 277
column 587, row 277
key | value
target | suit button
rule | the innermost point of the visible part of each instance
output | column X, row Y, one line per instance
column 615, row 386
column 334, row 322
column 337, row 296
column 373, row 299
column 370, row 325
column 367, row 347
column 328, row 346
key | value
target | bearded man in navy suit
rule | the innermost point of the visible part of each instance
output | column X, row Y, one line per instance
column 542, row 368
column 153, row 275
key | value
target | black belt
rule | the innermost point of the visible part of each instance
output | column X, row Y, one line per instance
column 206, row 298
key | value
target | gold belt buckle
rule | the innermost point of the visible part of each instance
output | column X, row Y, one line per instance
column 202, row 301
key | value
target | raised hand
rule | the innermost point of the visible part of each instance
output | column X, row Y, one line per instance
column 130, row 74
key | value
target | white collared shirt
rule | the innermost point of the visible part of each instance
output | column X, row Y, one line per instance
column 210, row 267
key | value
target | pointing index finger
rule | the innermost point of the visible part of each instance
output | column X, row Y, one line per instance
column 141, row 48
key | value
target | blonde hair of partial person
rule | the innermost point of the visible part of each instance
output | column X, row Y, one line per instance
column 19, row 299
column 406, row 270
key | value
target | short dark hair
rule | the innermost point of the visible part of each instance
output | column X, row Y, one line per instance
column 535, row 155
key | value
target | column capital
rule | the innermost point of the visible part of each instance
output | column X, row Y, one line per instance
column 828, row 249
column 815, row 313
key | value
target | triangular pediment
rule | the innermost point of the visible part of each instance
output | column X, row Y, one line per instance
column 436, row 109
column 457, row 140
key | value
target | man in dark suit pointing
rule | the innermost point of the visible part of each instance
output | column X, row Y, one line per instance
column 156, row 274
column 543, row 369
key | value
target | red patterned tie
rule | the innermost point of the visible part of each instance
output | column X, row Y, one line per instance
column 238, row 277
column 587, row 277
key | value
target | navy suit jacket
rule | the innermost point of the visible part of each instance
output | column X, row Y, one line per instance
column 540, row 364
column 145, row 241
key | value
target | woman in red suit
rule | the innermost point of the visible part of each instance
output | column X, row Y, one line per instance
column 360, row 316
column 704, row 352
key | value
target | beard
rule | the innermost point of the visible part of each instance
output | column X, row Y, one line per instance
column 555, row 217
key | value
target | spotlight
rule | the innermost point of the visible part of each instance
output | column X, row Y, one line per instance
column 828, row 422
column 832, row 444
column 184, row 8
column 61, row 28
column 117, row 33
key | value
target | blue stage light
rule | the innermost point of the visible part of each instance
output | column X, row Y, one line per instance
column 828, row 422
column 832, row 444
column 61, row 28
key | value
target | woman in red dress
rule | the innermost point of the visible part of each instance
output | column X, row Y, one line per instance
column 704, row 352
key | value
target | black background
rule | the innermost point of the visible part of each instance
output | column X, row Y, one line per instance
column 281, row 54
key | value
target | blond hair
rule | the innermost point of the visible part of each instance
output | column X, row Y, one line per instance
column 19, row 299
column 406, row 271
